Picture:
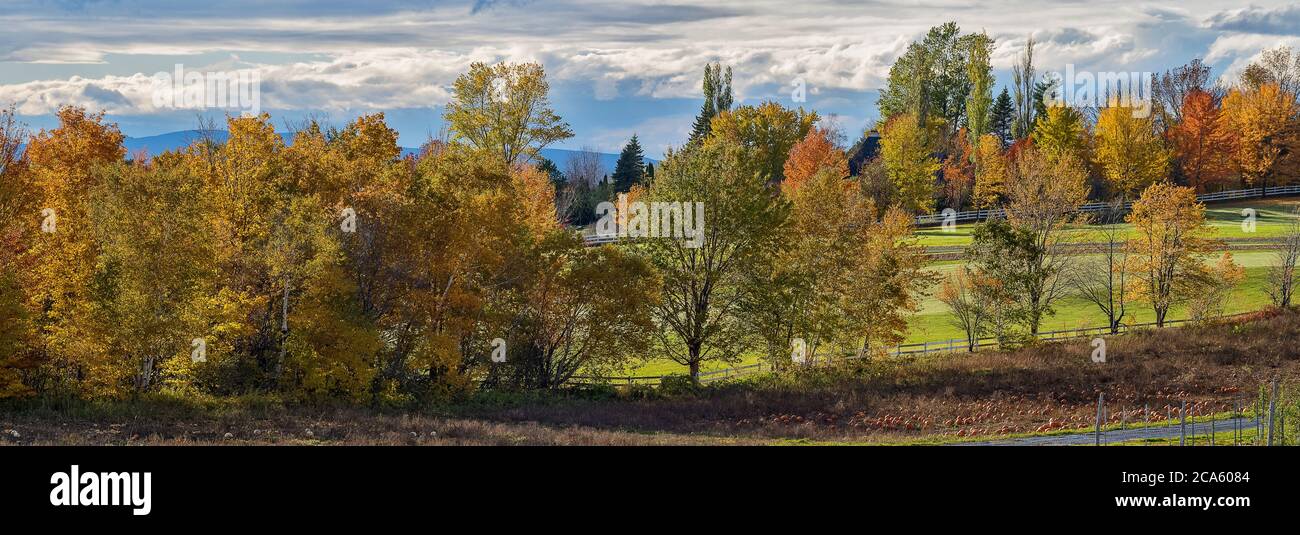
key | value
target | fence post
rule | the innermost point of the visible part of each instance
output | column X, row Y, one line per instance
column 1182, row 425
column 1101, row 397
column 1272, row 406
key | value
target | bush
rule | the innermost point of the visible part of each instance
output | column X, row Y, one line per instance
column 678, row 385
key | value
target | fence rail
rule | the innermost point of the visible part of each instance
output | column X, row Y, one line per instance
column 980, row 215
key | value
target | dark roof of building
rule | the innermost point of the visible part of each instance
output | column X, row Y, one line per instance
column 863, row 151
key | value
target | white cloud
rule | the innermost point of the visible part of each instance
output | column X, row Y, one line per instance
column 406, row 54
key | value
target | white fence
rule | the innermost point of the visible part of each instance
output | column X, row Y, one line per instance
column 980, row 215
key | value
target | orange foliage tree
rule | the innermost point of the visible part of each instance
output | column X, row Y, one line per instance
column 816, row 151
column 1203, row 142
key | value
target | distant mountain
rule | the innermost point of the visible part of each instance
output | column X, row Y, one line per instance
column 158, row 144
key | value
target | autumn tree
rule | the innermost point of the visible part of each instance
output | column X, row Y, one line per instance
column 1261, row 117
column 815, row 152
column 63, row 163
column 991, row 168
column 959, row 169
column 582, row 310
column 156, row 272
column 1129, row 151
column 767, row 131
column 1003, row 260
column 847, row 280
column 1202, row 142
column 1214, row 290
column 505, row 110
column 909, row 163
column 1060, row 131
column 1027, row 256
column 1170, row 236
column 1279, row 66
column 967, row 295
column 1172, row 90
column 18, row 214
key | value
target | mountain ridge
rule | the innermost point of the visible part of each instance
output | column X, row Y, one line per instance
column 157, row 144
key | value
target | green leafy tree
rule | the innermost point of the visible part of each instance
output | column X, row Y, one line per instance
column 979, row 73
column 700, row 315
column 931, row 80
column 717, row 99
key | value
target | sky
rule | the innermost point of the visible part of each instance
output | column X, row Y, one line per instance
column 616, row 67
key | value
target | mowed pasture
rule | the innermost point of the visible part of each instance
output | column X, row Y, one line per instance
column 933, row 322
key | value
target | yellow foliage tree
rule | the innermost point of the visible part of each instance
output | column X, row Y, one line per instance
column 1170, row 237
column 1261, row 118
column 1129, row 151
column 990, row 172
column 1061, row 131
column 65, row 255
column 909, row 163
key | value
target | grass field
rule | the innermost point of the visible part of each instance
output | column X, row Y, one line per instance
column 933, row 323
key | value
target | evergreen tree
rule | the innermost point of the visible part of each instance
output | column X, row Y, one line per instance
column 1001, row 117
column 717, row 99
column 547, row 166
column 649, row 171
column 630, row 169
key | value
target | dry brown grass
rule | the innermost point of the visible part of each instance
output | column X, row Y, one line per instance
column 1043, row 388
column 337, row 427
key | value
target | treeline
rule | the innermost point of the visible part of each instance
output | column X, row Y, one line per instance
column 330, row 268
column 948, row 142
column 945, row 141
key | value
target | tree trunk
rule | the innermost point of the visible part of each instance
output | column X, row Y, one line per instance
column 284, row 331
column 694, row 350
